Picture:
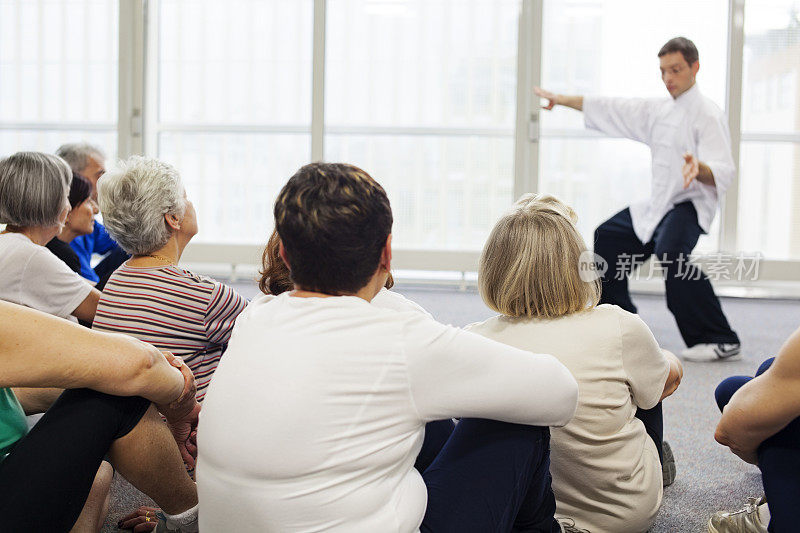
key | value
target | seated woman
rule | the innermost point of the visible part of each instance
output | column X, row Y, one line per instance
column 33, row 204
column 150, row 297
column 45, row 475
column 315, row 416
column 80, row 221
column 606, row 470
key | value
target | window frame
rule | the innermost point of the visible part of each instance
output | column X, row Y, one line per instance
column 138, row 130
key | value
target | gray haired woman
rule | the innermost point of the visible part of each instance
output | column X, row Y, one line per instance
column 34, row 204
column 145, row 209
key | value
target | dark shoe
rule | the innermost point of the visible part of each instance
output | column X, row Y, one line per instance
column 668, row 466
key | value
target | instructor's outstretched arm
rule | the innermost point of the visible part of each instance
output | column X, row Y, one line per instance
column 553, row 99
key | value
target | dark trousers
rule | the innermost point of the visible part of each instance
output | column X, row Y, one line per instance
column 778, row 460
column 46, row 478
column 653, row 420
column 487, row 476
column 690, row 297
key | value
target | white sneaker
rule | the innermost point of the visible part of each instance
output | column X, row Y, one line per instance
column 706, row 352
column 744, row 520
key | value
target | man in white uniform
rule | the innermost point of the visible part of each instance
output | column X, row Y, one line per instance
column 692, row 167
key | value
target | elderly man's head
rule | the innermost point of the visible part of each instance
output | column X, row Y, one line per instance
column 84, row 159
column 334, row 222
column 34, row 190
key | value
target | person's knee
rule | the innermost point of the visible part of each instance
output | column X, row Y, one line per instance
column 765, row 366
column 727, row 389
column 541, row 436
column 121, row 413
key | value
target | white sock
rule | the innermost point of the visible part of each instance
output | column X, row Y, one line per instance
column 763, row 514
column 186, row 521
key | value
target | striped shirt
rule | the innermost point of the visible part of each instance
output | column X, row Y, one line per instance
column 174, row 310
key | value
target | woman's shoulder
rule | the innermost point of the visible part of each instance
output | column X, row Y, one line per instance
column 490, row 324
column 603, row 325
column 599, row 315
column 386, row 299
column 190, row 276
column 40, row 259
column 19, row 245
column 199, row 282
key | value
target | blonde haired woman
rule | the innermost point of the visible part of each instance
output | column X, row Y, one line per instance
column 605, row 463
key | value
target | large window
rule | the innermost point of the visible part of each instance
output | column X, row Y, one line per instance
column 234, row 106
column 422, row 95
column 601, row 48
column 58, row 74
column 769, row 187
column 432, row 97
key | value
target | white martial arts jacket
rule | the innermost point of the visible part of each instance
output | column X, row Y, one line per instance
column 670, row 127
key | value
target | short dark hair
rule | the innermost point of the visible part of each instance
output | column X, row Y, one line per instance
column 333, row 220
column 683, row 45
column 274, row 274
column 79, row 190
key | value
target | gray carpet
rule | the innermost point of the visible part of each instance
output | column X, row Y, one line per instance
column 709, row 477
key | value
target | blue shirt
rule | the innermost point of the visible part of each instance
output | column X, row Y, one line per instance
column 97, row 242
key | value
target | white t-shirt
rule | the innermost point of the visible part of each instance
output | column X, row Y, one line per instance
column 387, row 299
column 32, row 276
column 317, row 411
column 605, row 468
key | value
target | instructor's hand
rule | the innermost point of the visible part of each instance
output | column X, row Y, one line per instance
column 691, row 168
column 552, row 98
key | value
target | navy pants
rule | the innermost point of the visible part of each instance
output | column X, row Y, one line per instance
column 487, row 476
column 690, row 297
column 778, row 460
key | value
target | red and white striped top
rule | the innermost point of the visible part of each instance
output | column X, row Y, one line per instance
column 173, row 309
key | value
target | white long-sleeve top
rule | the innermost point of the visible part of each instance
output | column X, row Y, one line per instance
column 670, row 127
column 317, row 411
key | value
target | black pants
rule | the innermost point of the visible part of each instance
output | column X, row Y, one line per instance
column 46, row 479
column 487, row 476
column 690, row 297
column 653, row 420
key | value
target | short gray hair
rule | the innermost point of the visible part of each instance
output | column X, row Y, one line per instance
column 134, row 196
column 77, row 154
column 33, row 189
